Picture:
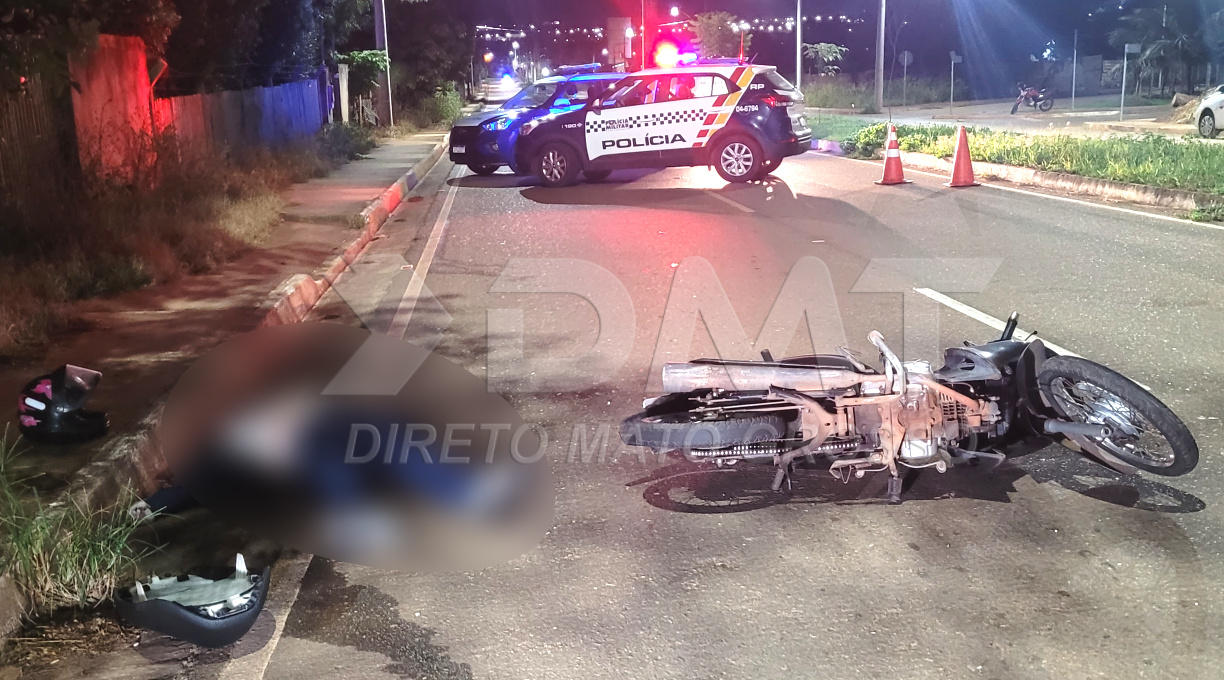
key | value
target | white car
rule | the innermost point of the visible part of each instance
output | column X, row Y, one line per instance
column 1210, row 113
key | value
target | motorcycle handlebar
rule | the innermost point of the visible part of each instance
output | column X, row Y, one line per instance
column 893, row 364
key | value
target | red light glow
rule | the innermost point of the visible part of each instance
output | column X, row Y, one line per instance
column 666, row 55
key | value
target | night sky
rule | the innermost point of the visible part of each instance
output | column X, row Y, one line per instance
column 995, row 36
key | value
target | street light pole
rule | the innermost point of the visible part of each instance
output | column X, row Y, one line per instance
column 799, row 45
column 879, row 82
column 643, row 35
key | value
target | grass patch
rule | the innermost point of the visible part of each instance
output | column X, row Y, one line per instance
column 841, row 93
column 184, row 215
column 834, row 126
column 1153, row 160
column 66, row 556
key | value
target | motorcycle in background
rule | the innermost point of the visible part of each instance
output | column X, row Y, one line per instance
column 906, row 417
column 1033, row 97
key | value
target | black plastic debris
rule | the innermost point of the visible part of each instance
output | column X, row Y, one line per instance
column 197, row 610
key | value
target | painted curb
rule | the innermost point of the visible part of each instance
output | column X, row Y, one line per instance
column 134, row 458
column 1142, row 194
column 297, row 295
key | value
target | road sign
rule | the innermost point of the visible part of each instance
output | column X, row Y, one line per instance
column 1133, row 48
column 956, row 58
column 906, row 58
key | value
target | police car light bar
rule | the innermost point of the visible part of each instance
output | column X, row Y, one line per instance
column 577, row 69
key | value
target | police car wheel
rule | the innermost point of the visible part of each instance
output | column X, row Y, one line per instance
column 484, row 170
column 597, row 175
column 738, row 159
column 557, row 165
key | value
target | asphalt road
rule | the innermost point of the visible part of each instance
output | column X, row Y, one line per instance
column 1050, row 567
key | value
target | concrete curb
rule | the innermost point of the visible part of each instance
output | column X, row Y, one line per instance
column 297, row 295
column 1176, row 199
column 134, row 459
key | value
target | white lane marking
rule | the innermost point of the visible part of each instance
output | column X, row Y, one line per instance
column 998, row 324
column 1068, row 199
column 983, row 317
column 735, row 204
column 286, row 584
column 403, row 314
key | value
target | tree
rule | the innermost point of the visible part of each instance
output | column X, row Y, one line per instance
column 719, row 35
column 826, row 55
column 37, row 36
column 214, row 47
column 1171, row 38
column 431, row 44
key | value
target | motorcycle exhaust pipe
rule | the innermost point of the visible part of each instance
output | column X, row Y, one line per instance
column 1094, row 430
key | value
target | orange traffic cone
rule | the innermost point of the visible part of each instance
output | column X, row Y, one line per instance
column 962, row 163
column 894, row 173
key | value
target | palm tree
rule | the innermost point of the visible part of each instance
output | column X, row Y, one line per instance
column 1171, row 38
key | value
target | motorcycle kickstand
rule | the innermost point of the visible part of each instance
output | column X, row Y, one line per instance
column 783, row 475
column 899, row 483
column 894, row 490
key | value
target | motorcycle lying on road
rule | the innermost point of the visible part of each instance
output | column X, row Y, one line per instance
column 1032, row 97
column 860, row 420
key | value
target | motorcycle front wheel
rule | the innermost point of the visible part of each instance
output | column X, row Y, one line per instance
column 1015, row 108
column 1146, row 433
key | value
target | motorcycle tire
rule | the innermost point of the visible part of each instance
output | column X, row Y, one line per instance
column 1015, row 108
column 1046, row 105
column 1156, row 421
column 663, row 428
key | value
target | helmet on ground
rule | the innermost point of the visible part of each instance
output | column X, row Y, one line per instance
column 51, row 407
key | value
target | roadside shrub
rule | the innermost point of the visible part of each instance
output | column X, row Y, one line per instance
column 186, row 214
column 342, row 143
column 440, row 108
column 1154, row 160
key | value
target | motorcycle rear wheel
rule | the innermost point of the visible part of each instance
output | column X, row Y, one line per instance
column 1147, row 434
column 1046, row 104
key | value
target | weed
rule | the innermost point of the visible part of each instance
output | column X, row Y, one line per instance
column 1209, row 213
column 187, row 214
column 61, row 555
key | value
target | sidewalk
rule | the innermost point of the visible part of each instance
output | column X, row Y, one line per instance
column 144, row 340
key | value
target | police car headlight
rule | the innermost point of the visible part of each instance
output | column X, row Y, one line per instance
column 529, row 127
column 497, row 124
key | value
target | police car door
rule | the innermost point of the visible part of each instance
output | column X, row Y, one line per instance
column 643, row 124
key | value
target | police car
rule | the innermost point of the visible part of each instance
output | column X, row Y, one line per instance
column 742, row 119
column 485, row 141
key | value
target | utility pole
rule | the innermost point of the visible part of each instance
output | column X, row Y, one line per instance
column 799, row 45
column 385, row 115
column 1074, row 65
column 879, row 75
column 643, row 35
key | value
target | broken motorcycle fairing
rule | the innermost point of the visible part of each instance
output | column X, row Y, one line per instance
column 197, row 610
column 908, row 417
